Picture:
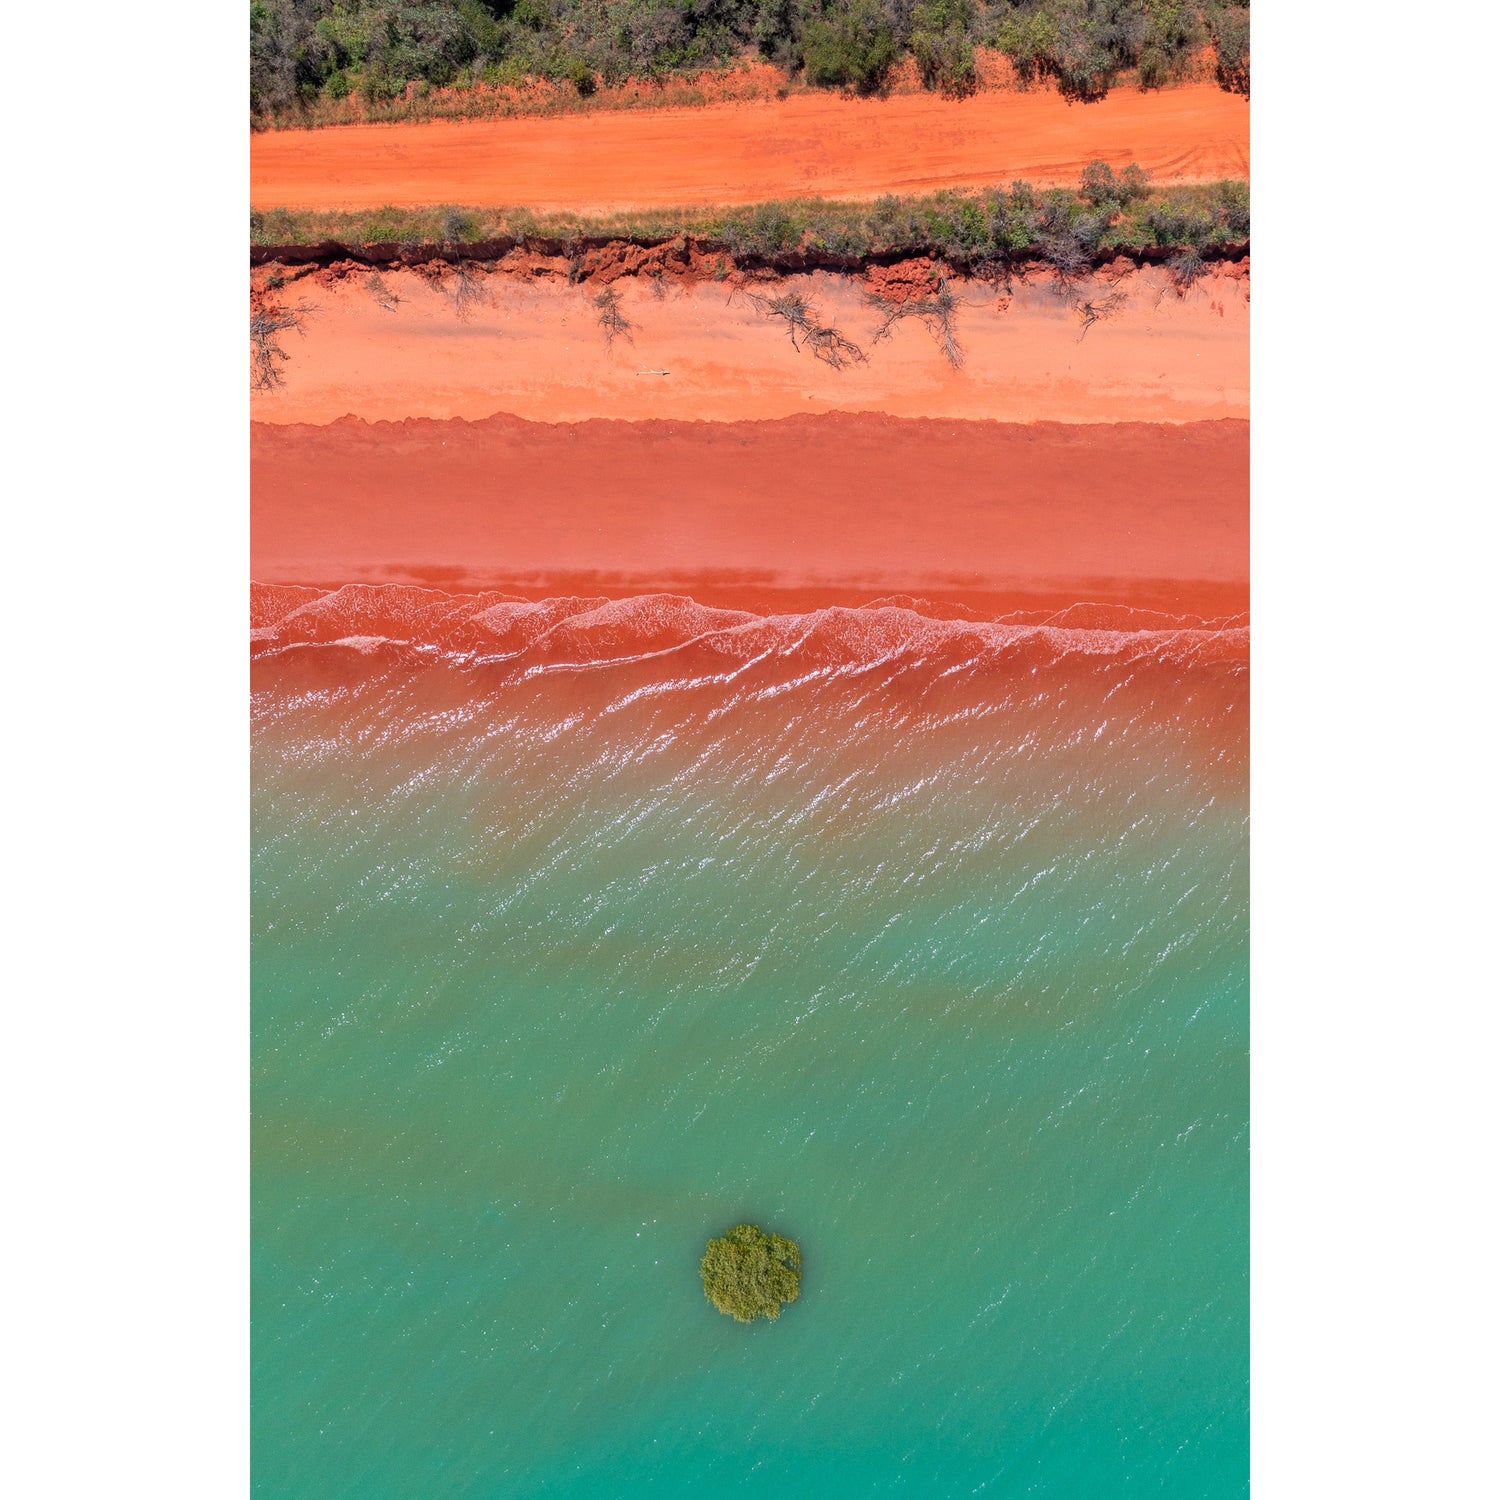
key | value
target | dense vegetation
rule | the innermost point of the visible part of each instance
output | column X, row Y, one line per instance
column 304, row 50
column 1065, row 228
column 750, row 1274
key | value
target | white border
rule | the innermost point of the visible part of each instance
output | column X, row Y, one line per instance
column 1372, row 816
column 126, row 1047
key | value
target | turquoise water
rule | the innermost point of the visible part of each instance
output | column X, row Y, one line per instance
column 934, row 958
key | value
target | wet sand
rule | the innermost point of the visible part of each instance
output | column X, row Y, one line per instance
column 770, row 516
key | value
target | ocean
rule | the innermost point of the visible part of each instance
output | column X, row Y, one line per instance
column 584, row 930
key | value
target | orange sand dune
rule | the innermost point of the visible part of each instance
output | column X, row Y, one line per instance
column 797, row 513
column 535, row 349
column 811, row 145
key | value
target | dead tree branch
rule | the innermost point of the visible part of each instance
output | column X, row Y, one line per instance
column 266, row 354
column 1098, row 309
column 614, row 322
column 466, row 291
column 803, row 321
column 935, row 312
column 382, row 294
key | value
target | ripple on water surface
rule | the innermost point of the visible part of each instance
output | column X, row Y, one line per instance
column 928, row 950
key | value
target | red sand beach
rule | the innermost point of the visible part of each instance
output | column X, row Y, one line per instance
column 775, row 515
column 533, row 348
column 502, row 443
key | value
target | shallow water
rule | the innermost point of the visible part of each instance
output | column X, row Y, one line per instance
column 923, row 943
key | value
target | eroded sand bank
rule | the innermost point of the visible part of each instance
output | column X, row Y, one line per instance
column 805, row 146
column 705, row 352
column 790, row 514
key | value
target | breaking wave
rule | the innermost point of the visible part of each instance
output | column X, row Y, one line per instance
column 411, row 624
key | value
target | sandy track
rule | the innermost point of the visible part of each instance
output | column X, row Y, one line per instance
column 534, row 349
column 764, row 515
column 804, row 146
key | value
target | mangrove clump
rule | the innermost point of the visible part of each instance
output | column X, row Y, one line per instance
column 750, row 1274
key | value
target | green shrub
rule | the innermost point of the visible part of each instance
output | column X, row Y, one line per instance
column 479, row 20
column 1099, row 185
column 581, row 76
column 1027, row 38
column 1097, row 182
column 940, row 43
column 1084, row 45
column 1181, row 226
column 1231, row 201
column 1134, row 183
column 1081, row 45
column 1229, row 31
column 976, row 231
column 379, row 87
column 765, row 229
column 750, row 1274
column 1172, row 32
column 455, row 226
column 1067, row 234
column 851, row 44
column 303, row 49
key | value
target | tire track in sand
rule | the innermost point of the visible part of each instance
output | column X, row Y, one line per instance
column 803, row 146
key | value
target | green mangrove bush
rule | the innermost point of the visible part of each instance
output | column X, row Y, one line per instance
column 749, row 1274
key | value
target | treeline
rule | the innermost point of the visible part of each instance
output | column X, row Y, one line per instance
column 1067, row 229
column 304, row 50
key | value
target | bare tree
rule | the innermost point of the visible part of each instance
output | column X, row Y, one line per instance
column 614, row 322
column 1187, row 266
column 935, row 311
column 382, row 294
column 1097, row 309
column 803, row 320
column 266, row 354
column 465, row 289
